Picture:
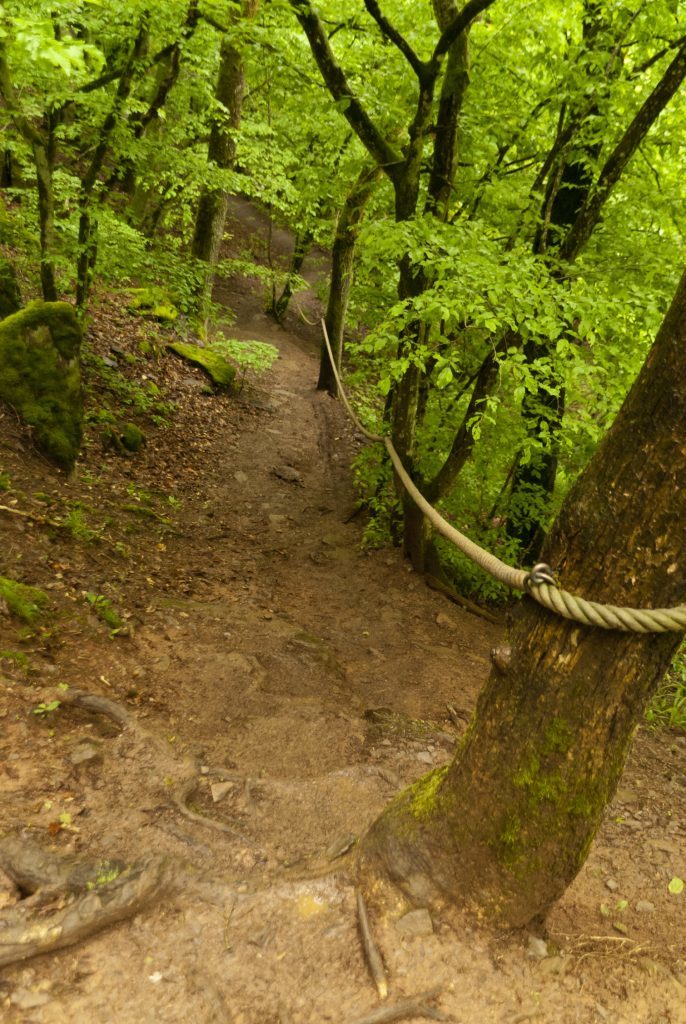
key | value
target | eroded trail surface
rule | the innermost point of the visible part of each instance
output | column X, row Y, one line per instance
column 304, row 681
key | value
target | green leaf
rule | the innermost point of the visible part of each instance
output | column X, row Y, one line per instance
column 676, row 886
column 444, row 378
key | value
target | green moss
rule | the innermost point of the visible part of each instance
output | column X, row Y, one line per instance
column 558, row 737
column 221, row 373
column 132, row 437
column 423, row 794
column 23, row 602
column 152, row 302
column 41, row 377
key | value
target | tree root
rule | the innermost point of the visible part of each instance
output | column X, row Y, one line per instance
column 434, row 583
column 415, row 1006
column 105, row 893
column 370, row 948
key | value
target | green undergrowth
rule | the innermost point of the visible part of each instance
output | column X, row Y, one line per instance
column 667, row 709
column 110, row 391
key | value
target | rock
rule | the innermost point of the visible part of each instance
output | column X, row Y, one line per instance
column 41, row 376
column 85, row 751
column 25, row 999
column 645, row 907
column 240, row 477
column 416, row 922
column 424, row 756
column 219, row 790
column 132, row 438
column 536, row 948
column 444, row 620
column 221, row 373
column 288, row 473
column 611, row 884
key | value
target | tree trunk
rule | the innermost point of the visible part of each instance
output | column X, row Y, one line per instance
column 303, row 241
column 506, row 827
column 88, row 224
column 342, row 264
column 46, row 217
column 10, row 296
column 213, row 204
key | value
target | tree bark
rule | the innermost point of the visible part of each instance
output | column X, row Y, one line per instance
column 342, row 266
column 213, row 205
column 506, row 827
column 303, row 241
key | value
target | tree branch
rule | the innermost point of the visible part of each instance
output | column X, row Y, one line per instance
column 621, row 155
column 420, row 67
column 469, row 12
column 334, row 76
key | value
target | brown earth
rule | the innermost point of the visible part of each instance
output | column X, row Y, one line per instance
column 261, row 640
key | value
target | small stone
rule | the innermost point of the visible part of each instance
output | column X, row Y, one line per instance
column 416, row 922
column 288, row 473
column 219, row 790
column 611, row 884
column 645, row 907
column 240, row 477
column 424, row 756
column 444, row 620
column 84, row 752
column 536, row 948
column 24, row 999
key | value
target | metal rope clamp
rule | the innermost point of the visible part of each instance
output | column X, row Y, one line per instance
column 541, row 573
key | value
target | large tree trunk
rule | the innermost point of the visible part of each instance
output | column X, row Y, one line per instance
column 505, row 829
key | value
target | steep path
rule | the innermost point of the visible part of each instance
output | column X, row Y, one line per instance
column 266, row 642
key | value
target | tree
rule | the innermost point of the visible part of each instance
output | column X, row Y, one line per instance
column 488, row 373
column 221, row 153
column 506, row 827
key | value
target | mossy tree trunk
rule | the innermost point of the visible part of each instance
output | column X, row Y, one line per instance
column 506, row 827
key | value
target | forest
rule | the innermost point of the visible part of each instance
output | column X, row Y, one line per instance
column 343, row 510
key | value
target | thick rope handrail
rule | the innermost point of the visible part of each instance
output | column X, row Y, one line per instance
column 540, row 582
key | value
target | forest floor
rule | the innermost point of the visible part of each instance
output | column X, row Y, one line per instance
column 263, row 644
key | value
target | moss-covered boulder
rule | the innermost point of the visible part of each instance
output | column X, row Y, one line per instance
column 154, row 303
column 40, row 376
column 23, row 602
column 218, row 369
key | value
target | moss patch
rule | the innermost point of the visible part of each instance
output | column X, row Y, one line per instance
column 152, row 302
column 41, row 376
column 221, row 373
column 23, row 602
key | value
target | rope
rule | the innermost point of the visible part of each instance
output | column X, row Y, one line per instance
column 540, row 582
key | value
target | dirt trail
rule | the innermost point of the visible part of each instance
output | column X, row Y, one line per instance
column 265, row 641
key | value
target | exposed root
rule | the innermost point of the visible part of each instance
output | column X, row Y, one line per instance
column 180, row 799
column 434, row 583
column 415, row 1006
column 371, row 950
column 105, row 893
